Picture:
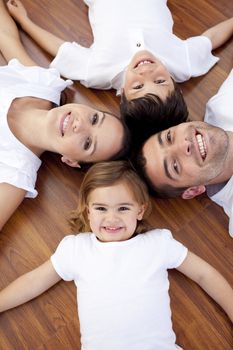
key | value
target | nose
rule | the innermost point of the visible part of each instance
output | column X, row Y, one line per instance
column 111, row 217
column 78, row 125
column 185, row 146
column 146, row 69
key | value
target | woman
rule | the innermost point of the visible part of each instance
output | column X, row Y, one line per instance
column 29, row 125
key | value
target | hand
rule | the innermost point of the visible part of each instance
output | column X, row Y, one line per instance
column 17, row 10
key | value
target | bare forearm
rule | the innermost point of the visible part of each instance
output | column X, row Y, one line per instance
column 46, row 40
column 28, row 286
column 220, row 33
column 219, row 289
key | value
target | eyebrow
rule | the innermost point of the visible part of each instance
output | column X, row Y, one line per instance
column 95, row 142
column 105, row 205
column 165, row 165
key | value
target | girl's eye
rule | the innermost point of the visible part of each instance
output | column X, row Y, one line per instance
column 137, row 87
column 168, row 136
column 95, row 119
column 123, row 208
column 87, row 144
column 160, row 81
column 100, row 208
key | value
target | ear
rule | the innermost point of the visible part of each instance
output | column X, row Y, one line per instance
column 70, row 162
column 192, row 192
column 141, row 212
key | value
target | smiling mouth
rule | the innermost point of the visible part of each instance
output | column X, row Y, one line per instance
column 201, row 145
column 64, row 124
column 142, row 62
column 110, row 229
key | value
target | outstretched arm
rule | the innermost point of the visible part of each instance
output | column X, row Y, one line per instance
column 28, row 286
column 10, row 44
column 43, row 38
column 220, row 33
column 210, row 280
column 10, row 199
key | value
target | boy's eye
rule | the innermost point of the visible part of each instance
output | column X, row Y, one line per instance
column 123, row 208
column 87, row 143
column 95, row 119
column 137, row 87
column 168, row 136
column 160, row 81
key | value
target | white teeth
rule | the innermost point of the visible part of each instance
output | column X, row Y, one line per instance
column 65, row 123
column 143, row 62
column 201, row 145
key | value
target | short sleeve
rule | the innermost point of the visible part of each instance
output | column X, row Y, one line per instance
column 200, row 57
column 72, row 61
column 63, row 259
column 173, row 251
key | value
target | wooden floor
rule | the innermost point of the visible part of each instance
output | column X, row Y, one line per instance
column 30, row 237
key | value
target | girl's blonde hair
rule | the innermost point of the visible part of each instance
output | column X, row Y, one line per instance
column 107, row 174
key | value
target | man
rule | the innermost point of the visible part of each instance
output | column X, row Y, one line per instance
column 193, row 157
column 135, row 52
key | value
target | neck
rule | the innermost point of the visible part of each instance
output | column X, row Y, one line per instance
column 28, row 124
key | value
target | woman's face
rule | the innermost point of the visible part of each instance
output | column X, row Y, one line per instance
column 83, row 134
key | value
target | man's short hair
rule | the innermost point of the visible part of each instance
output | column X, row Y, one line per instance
column 149, row 114
column 163, row 191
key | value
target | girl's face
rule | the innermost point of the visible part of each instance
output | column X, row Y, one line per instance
column 113, row 213
column 83, row 134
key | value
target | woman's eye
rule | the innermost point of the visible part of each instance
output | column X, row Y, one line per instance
column 87, row 144
column 95, row 119
column 137, row 87
column 160, row 81
column 168, row 136
column 123, row 208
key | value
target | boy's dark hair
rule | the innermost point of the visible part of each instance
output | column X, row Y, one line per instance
column 164, row 191
column 149, row 114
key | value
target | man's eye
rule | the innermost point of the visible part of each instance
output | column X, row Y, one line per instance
column 87, row 144
column 160, row 81
column 168, row 136
column 137, row 87
column 95, row 119
column 123, row 208
column 175, row 167
column 100, row 208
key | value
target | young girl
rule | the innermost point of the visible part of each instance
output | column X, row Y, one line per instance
column 29, row 125
column 120, row 270
column 135, row 52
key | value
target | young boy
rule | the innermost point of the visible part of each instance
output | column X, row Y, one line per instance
column 135, row 52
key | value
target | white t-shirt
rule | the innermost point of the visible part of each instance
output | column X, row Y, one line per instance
column 219, row 112
column 19, row 165
column 120, row 29
column 123, row 301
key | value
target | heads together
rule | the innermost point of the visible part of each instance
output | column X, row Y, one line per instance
column 113, row 202
column 182, row 160
column 151, row 101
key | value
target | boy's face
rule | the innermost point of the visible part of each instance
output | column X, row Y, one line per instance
column 146, row 74
column 113, row 213
column 83, row 134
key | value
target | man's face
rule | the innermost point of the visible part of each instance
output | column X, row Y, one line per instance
column 83, row 134
column 186, row 155
column 146, row 74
